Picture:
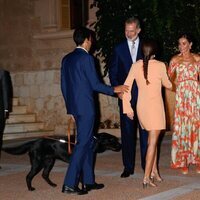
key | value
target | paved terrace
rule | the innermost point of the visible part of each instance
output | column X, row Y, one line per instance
column 176, row 186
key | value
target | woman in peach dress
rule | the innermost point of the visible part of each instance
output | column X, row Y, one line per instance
column 186, row 127
column 149, row 74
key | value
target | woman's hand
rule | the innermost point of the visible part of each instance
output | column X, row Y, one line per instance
column 120, row 95
column 130, row 115
column 121, row 89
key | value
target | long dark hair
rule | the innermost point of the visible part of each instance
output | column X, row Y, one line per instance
column 149, row 48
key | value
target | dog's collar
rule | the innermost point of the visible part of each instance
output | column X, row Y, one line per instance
column 59, row 140
column 62, row 141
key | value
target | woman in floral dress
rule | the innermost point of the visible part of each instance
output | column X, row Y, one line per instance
column 186, row 127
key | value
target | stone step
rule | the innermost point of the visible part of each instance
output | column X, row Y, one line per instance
column 15, row 101
column 22, row 124
column 19, row 110
column 20, row 118
column 29, row 134
column 23, row 127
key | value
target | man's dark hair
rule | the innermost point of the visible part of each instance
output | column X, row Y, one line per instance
column 80, row 34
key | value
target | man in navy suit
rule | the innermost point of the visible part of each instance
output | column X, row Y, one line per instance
column 78, row 82
column 126, row 53
column 5, row 101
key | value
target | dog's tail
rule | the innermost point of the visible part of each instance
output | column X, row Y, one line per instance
column 19, row 150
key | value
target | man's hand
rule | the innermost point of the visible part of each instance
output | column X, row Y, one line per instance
column 130, row 115
column 6, row 114
column 121, row 89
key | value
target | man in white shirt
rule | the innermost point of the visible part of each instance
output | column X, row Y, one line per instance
column 124, row 54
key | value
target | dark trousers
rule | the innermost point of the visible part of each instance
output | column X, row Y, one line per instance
column 82, row 159
column 129, row 138
column 2, row 126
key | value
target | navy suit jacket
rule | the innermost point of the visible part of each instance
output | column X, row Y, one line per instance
column 120, row 65
column 79, row 80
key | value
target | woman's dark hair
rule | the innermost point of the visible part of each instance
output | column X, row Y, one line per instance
column 149, row 48
column 187, row 36
column 80, row 34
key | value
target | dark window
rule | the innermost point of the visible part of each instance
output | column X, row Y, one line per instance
column 74, row 13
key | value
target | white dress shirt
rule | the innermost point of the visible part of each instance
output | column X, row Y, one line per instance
column 130, row 43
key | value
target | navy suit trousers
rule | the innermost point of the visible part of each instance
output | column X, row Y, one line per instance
column 82, row 159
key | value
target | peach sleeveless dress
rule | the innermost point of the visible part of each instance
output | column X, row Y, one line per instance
column 150, row 107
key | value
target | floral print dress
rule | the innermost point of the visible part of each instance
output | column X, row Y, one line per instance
column 186, row 127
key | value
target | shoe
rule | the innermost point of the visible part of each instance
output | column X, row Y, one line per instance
column 76, row 190
column 126, row 174
column 155, row 177
column 184, row 170
column 95, row 186
column 147, row 182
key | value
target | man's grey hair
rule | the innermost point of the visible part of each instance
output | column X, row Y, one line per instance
column 133, row 20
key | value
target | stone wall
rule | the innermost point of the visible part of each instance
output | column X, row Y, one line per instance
column 40, row 91
column 18, row 24
column 24, row 44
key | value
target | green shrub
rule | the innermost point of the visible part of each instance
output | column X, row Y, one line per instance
column 162, row 20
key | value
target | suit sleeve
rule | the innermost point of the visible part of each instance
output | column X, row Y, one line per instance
column 165, row 79
column 113, row 69
column 126, row 101
column 64, row 84
column 96, row 84
column 6, row 85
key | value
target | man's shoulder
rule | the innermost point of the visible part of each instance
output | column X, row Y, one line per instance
column 121, row 44
column 4, row 72
column 69, row 55
column 76, row 55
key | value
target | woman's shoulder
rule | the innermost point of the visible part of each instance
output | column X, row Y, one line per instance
column 175, row 58
column 138, row 63
column 196, row 57
column 136, row 66
column 158, row 63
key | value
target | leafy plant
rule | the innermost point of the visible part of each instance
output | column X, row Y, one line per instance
column 162, row 20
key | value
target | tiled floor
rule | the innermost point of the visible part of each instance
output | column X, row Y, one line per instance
column 108, row 169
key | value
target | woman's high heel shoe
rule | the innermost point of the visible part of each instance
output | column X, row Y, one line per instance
column 155, row 177
column 184, row 170
column 147, row 182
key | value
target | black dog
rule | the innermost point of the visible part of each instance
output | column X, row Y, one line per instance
column 44, row 151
